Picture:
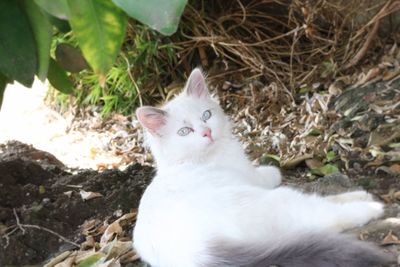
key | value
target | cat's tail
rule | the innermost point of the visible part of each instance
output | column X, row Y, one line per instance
column 316, row 250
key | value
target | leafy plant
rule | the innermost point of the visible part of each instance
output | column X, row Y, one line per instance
column 26, row 33
column 133, row 72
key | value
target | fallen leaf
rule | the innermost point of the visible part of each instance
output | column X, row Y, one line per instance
column 395, row 169
column 88, row 227
column 396, row 195
column 371, row 74
column 313, row 163
column 42, row 189
column 269, row 159
column 89, row 243
column 94, row 259
column 116, row 248
column 68, row 262
column 58, row 259
column 390, row 239
column 114, row 228
column 325, row 170
column 293, row 162
column 130, row 256
column 390, row 74
column 330, row 155
column 89, row 195
column 110, row 263
column 68, row 193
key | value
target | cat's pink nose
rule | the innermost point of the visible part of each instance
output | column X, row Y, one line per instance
column 207, row 133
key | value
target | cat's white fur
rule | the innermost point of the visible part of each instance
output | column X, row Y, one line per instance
column 208, row 190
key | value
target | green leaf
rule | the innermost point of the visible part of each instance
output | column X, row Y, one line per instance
column 57, row 8
column 18, row 58
column 269, row 159
column 3, row 85
column 331, row 155
column 93, row 260
column 160, row 15
column 43, row 33
column 59, row 79
column 394, row 145
column 99, row 27
column 325, row 170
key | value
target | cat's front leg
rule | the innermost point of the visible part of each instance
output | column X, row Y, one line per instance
column 268, row 176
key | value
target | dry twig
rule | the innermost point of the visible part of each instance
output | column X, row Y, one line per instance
column 22, row 227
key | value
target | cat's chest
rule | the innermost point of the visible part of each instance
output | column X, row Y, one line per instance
column 192, row 179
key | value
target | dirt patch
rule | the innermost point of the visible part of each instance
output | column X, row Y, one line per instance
column 34, row 186
column 37, row 190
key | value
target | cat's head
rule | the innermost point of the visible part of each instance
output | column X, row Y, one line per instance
column 189, row 127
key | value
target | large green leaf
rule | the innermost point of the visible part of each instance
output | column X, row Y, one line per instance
column 59, row 79
column 99, row 27
column 57, row 8
column 43, row 33
column 3, row 84
column 161, row 15
column 18, row 58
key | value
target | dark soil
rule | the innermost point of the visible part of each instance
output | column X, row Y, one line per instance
column 33, row 183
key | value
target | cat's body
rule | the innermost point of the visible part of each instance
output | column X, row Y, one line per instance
column 208, row 206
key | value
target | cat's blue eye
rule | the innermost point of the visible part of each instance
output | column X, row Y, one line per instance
column 206, row 115
column 185, row 131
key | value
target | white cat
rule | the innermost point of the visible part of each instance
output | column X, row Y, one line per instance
column 208, row 206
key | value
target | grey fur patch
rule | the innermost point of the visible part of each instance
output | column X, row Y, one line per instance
column 316, row 250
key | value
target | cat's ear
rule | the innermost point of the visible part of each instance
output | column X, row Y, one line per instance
column 151, row 118
column 196, row 85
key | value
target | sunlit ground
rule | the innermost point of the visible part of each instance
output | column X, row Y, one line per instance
column 25, row 117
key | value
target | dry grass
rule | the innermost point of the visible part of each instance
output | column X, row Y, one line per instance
column 291, row 43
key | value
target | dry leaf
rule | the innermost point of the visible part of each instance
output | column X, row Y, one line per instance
column 313, row 163
column 130, row 256
column 68, row 193
column 89, row 243
column 116, row 248
column 88, row 227
column 396, row 195
column 68, row 262
column 114, row 228
column 110, row 263
column 89, row 195
column 58, row 259
column 395, row 169
column 390, row 239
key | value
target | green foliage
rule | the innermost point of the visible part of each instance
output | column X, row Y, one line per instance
column 99, row 27
column 26, row 32
column 17, row 44
column 57, row 8
column 43, row 32
column 59, row 79
column 3, row 83
column 325, row 170
column 165, row 22
column 330, row 156
column 133, row 72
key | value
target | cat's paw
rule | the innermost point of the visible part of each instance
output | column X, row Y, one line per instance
column 356, row 214
column 351, row 196
column 270, row 176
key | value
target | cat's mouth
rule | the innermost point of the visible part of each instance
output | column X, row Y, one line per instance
column 210, row 141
